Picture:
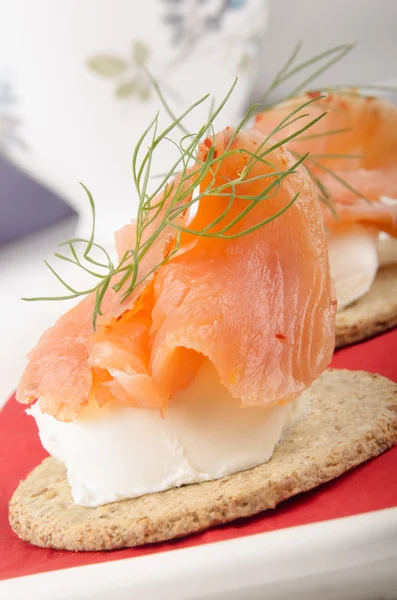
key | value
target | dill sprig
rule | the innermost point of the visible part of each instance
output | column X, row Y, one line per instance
column 163, row 207
column 321, row 63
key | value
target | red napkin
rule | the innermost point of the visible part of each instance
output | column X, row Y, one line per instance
column 359, row 491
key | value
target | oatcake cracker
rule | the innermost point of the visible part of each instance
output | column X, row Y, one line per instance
column 353, row 417
column 371, row 314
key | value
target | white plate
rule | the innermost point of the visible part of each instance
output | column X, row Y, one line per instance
column 353, row 557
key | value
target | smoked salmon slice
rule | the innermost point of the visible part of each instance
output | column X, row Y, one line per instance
column 262, row 303
column 356, row 142
column 260, row 306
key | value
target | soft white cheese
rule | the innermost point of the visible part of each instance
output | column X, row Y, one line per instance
column 353, row 257
column 387, row 245
column 120, row 452
column 387, row 249
column 355, row 253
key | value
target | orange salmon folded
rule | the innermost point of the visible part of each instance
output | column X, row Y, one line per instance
column 365, row 128
column 260, row 306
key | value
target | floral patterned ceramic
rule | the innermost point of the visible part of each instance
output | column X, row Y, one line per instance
column 75, row 95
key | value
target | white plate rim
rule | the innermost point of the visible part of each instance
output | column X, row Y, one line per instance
column 253, row 561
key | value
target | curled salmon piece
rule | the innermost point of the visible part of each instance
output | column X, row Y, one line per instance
column 364, row 128
column 58, row 371
column 65, row 369
column 260, row 306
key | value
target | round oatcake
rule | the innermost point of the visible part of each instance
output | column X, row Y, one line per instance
column 371, row 314
column 353, row 417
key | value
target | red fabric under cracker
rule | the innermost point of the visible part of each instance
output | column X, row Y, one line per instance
column 362, row 490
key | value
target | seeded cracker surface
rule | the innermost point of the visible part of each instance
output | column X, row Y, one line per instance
column 353, row 417
column 371, row 314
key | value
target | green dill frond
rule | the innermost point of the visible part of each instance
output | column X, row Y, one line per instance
column 174, row 193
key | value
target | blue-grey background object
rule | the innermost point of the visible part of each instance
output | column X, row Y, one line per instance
column 26, row 206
